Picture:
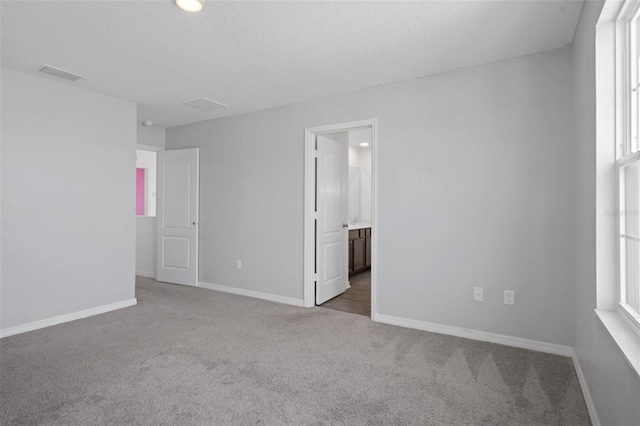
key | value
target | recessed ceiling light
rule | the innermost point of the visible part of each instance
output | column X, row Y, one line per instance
column 364, row 144
column 190, row 5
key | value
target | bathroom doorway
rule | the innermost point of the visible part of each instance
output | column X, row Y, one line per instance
column 340, row 240
column 357, row 296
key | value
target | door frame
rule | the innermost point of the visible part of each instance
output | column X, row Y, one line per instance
column 149, row 274
column 309, row 253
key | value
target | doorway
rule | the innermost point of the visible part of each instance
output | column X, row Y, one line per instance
column 340, row 232
column 146, row 163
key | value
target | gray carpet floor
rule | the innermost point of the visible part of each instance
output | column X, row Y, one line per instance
column 189, row 356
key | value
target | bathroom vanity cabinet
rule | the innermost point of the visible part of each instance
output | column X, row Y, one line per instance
column 359, row 250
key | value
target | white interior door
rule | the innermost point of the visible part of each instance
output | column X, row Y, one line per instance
column 177, row 216
column 332, row 218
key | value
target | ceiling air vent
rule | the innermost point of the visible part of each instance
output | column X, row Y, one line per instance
column 57, row 72
column 204, row 104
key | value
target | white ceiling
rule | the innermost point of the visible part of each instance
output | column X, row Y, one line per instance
column 257, row 55
column 356, row 137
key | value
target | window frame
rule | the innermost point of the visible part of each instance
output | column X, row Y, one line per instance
column 627, row 137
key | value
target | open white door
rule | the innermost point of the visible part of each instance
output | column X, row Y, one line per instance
column 177, row 216
column 332, row 218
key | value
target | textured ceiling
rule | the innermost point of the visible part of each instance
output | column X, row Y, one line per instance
column 256, row 55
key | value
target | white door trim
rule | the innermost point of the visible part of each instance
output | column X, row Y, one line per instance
column 309, row 205
column 149, row 147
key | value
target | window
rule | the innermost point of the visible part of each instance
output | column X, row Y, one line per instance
column 146, row 183
column 628, row 161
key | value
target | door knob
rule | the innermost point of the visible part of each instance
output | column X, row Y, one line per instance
column 194, row 223
column 345, row 225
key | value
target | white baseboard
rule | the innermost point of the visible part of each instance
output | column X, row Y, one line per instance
column 252, row 293
column 477, row 335
column 146, row 274
column 595, row 420
column 66, row 318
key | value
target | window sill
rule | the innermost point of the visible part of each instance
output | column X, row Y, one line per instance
column 627, row 340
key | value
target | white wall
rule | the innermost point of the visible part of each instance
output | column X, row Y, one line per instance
column 365, row 185
column 474, row 189
column 354, row 184
column 146, row 246
column 151, row 136
column 67, row 220
column 354, row 157
column 612, row 382
column 360, row 184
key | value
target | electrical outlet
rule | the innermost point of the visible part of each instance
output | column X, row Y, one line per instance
column 509, row 297
column 478, row 294
column 238, row 264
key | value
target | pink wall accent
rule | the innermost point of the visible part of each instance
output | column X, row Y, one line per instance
column 140, row 192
